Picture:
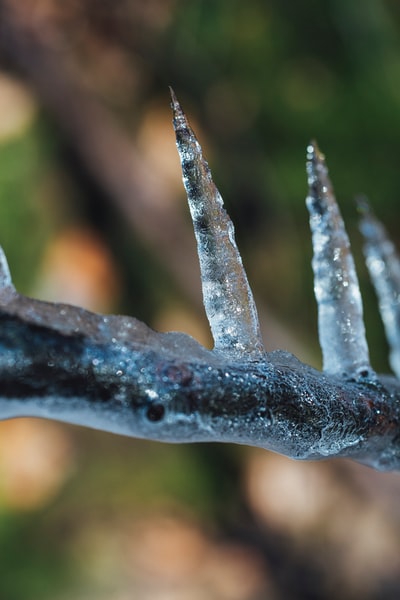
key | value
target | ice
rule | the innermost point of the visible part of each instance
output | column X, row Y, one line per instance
column 116, row 374
column 340, row 315
column 384, row 267
column 5, row 277
column 227, row 296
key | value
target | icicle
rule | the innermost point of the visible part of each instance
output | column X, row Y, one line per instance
column 384, row 267
column 5, row 277
column 340, row 318
column 227, row 296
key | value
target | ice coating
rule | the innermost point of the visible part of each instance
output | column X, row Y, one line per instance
column 227, row 296
column 384, row 268
column 116, row 374
column 340, row 316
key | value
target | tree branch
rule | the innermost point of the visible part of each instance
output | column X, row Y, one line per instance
column 116, row 374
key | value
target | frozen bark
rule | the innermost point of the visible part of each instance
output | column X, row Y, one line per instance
column 116, row 374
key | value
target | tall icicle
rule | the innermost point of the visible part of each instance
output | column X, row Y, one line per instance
column 340, row 317
column 384, row 267
column 227, row 296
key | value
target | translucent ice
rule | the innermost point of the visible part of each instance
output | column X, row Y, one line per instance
column 227, row 296
column 116, row 374
column 384, row 267
column 340, row 317
column 5, row 277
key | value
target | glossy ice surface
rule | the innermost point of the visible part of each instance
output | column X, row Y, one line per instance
column 116, row 374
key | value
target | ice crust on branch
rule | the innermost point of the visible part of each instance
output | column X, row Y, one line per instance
column 116, row 374
column 340, row 315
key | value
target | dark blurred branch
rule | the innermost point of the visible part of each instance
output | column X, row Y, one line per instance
column 107, row 153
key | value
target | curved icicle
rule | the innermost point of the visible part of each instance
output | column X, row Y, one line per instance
column 340, row 315
column 384, row 268
column 227, row 296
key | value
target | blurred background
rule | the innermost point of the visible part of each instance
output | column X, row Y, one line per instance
column 93, row 212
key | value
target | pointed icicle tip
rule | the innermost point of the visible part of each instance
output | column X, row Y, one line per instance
column 174, row 100
column 179, row 118
column 317, row 176
column 315, row 158
column 314, row 153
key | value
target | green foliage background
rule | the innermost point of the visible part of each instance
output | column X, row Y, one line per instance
column 261, row 78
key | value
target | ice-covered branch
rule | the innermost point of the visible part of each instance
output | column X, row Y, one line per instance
column 116, row 374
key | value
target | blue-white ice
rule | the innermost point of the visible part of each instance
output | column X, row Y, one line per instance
column 340, row 316
column 5, row 276
column 227, row 296
column 384, row 267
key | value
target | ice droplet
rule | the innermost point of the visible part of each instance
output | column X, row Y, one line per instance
column 227, row 296
column 340, row 315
